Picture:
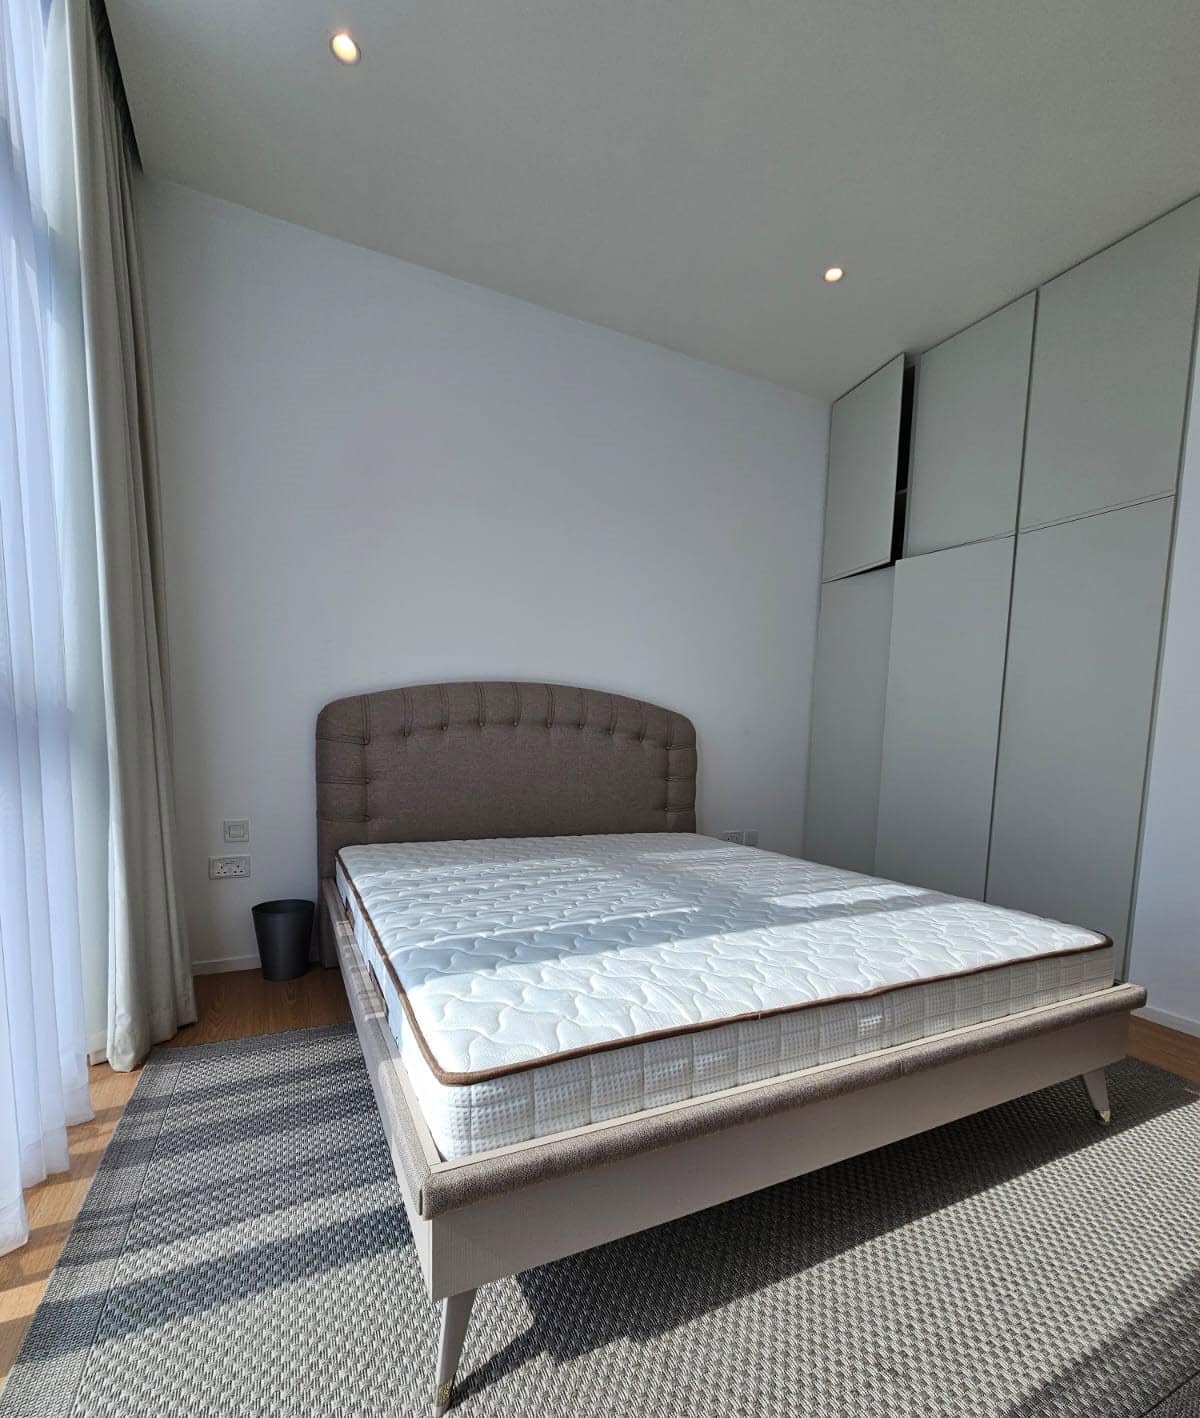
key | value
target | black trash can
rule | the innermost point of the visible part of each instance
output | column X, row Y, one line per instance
column 284, row 931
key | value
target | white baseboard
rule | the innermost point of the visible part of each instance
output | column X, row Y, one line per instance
column 1171, row 1021
column 225, row 964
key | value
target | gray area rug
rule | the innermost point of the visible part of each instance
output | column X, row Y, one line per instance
column 243, row 1251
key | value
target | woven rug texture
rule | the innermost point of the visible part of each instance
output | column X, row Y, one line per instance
column 244, row 1251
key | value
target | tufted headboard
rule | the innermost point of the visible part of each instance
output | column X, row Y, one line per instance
column 435, row 762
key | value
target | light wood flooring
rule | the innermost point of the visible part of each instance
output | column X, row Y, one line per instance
column 232, row 1007
column 1177, row 1053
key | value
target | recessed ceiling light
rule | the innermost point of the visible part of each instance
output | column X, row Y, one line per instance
column 834, row 275
column 344, row 47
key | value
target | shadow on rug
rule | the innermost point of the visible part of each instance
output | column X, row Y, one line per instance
column 244, row 1251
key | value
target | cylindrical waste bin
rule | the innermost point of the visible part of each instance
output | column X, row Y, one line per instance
column 284, row 931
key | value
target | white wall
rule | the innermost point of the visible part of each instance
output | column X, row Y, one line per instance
column 1165, row 954
column 374, row 475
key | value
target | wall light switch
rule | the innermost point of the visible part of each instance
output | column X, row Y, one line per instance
column 237, row 829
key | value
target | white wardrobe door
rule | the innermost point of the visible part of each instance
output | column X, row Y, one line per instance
column 1110, row 374
column 945, row 675
column 969, row 424
column 849, row 686
column 860, row 496
column 1075, row 726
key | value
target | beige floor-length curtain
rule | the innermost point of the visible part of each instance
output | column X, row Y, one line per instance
column 148, row 977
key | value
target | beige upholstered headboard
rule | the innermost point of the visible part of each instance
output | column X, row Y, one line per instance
column 436, row 762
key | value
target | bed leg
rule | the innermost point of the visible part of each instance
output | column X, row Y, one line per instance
column 456, row 1315
column 1097, row 1091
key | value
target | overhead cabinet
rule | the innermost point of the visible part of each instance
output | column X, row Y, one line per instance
column 942, row 719
column 968, row 429
column 850, row 684
column 1110, row 374
column 860, row 496
column 1078, row 697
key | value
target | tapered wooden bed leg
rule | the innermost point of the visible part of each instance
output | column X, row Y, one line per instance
column 456, row 1315
column 1097, row 1091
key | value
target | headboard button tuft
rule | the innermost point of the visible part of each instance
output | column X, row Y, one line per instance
column 526, row 787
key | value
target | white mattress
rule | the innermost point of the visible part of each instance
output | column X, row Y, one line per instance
column 539, row 984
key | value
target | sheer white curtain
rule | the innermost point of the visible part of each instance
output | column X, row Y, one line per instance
column 43, row 1070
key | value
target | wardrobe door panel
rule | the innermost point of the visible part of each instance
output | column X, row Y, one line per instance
column 860, row 494
column 945, row 675
column 969, row 425
column 849, row 686
column 1078, row 697
column 1110, row 373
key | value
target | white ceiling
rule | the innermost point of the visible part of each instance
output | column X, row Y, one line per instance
column 685, row 170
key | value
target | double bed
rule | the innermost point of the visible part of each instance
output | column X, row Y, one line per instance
column 582, row 1019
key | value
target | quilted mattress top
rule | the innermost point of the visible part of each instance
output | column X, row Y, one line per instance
column 514, row 951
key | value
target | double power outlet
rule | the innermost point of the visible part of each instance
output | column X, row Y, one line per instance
column 233, row 829
column 745, row 837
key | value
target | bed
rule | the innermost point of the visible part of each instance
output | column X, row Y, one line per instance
column 582, row 1019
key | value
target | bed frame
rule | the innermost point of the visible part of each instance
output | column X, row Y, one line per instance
column 476, row 760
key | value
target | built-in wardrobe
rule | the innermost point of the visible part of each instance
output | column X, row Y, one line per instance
column 998, row 530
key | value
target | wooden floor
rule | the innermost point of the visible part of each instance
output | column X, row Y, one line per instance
column 233, row 1007
column 230, row 1007
column 1177, row 1053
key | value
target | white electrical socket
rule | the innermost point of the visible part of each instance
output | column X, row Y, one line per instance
column 737, row 837
column 750, row 837
column 236, row 829
column 221, row 867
